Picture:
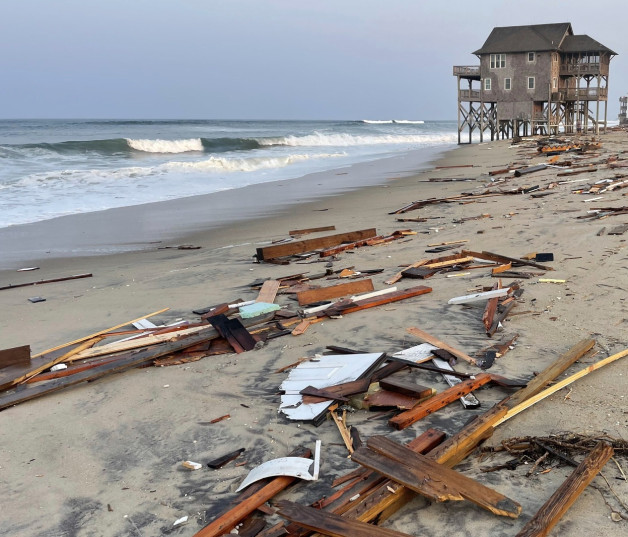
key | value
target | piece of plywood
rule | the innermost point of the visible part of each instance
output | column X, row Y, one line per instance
column 405, row 387
column 326, row 293
column 268, row 292
column 557, row 505
column 326, row 371
column 298, row 247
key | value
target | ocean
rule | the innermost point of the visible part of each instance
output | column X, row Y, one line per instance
column 52, row 168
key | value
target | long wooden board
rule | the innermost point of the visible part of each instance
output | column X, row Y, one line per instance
column 552, row 371
column 268, row 292
column 421, row 334
column 431, row 474
column 503, row 259
column 311, row 230
column 438, row 401
column 359, row 305
column 299, row 247
column 330, row 524
column 334, row 291
column 564, row 497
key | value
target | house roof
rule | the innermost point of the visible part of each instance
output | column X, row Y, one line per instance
column 530, row 38
column 583, row 43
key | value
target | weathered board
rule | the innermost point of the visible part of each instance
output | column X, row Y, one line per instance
column 298, row 247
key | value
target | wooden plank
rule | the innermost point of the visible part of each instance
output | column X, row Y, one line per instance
column 91, row 336
column 359, row 305
column 311, row 230
column 405, row 387
column 501, row 268
column 453, row 482
column 297, row 247
column 330, row 524
column 12, row 376
column 16, row 356
column 438, row 401
column 52, row 280
column 351, row 245
column 390, row 399
column 552, row 371
column 560, row 385
column 221, row 461
column 618, row 230
column 268, row 292
column 129, row 360
column 225, row 522
column 440, row 344
column 442, row 264
column 505, row 259
column 334, row 291
column 557, row 505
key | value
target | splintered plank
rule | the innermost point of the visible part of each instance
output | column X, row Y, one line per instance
column 428, row 477
column 564, row 497
column 378, row 300
column 299, row 247
column 268, row 292
column 438, row 401
column 330, row 524
column 311, row 230
column 334, row 291
column 441, row 344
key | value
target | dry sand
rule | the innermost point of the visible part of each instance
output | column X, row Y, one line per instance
column 104, row 458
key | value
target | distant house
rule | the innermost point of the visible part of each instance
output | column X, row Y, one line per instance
column 534, row 79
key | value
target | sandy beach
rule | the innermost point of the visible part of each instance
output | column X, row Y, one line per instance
column 104, row 458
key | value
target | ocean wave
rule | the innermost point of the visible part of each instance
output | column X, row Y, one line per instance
column 409, row 121
column 346, row 140
column 166, row 146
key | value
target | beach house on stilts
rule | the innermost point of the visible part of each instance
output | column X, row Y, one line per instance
column 535, row 79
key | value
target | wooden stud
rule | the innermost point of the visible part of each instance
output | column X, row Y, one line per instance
column 440, row 344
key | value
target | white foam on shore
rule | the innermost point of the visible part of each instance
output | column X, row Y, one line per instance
column 318, row 139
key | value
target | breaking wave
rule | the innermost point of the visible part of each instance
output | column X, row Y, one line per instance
column 166, row 146
column 346, row 140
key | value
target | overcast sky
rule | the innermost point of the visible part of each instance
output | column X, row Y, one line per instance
column 265, row 59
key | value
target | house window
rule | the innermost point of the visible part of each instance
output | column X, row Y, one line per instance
column 498, row 61
column 554, row 83
column 531, row 57
column 507, row 84
column 487, row 84
column 530, row 82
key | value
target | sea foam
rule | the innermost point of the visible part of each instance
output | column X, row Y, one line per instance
column 166, row 146
column 347, row 140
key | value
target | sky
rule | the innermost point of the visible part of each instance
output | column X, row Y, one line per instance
column 265, row 59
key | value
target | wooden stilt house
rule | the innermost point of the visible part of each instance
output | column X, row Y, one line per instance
column 535, row 79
